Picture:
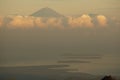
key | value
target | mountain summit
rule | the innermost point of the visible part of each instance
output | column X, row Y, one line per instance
column 46, row 12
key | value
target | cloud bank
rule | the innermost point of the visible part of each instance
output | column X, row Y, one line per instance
column 84, row 20
column 20, row 21
column 60, row 23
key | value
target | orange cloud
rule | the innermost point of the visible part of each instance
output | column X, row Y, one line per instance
column 48, row 22
column 54, row 23
column 83, row 21
column 1, row 21
column 102, row 20
column 22, row 22
column 39, row 23
column 58, row 23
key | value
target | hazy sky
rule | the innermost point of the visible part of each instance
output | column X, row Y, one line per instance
column 67, row 7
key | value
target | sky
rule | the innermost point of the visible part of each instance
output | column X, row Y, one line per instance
column 28, row 40
column 66, row 7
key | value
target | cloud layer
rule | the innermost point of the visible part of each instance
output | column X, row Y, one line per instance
column 60, row 23
column 84, row 20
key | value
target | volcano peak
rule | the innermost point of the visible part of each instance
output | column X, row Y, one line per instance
column 46, row 12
